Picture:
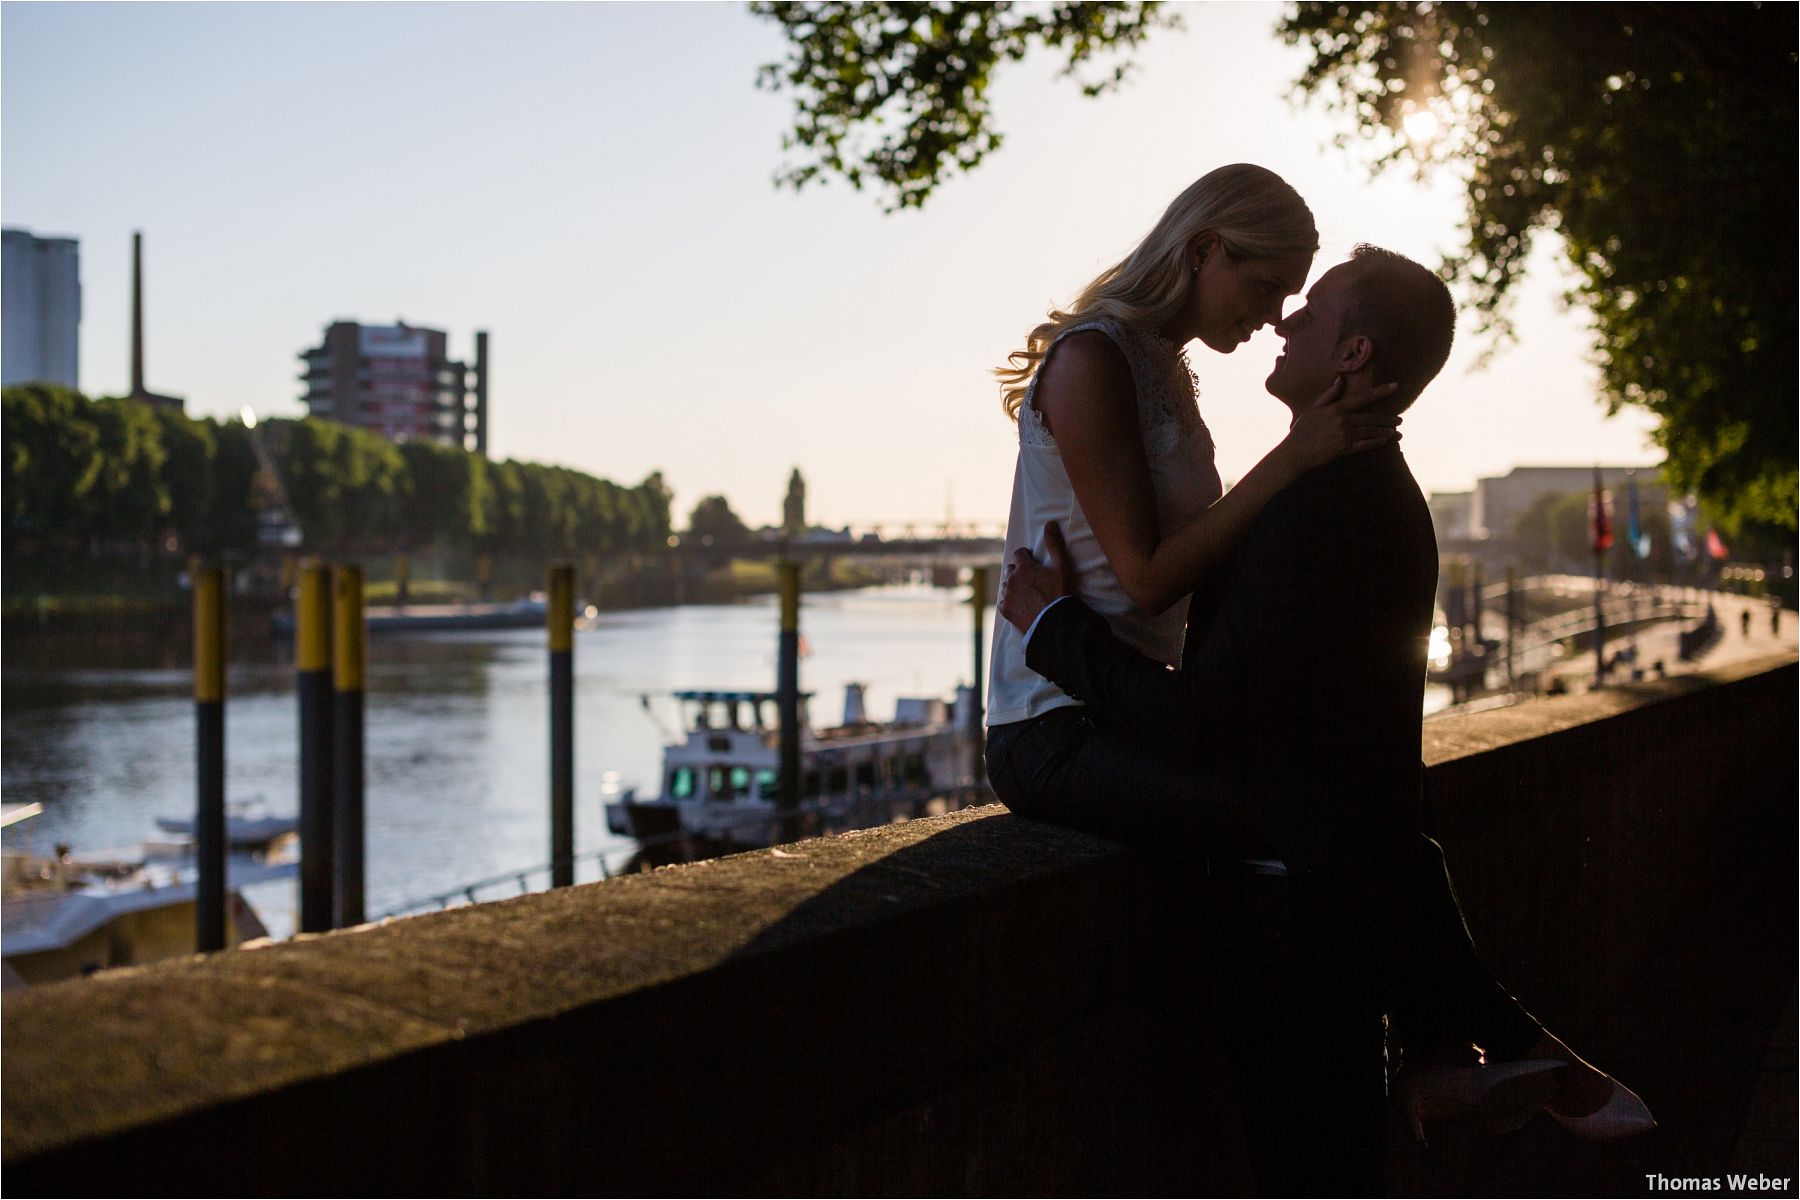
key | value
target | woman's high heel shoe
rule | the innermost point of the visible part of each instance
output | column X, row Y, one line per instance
column 1500, row 1097
column 1623, row 1115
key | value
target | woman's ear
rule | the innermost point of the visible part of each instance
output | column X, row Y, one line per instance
column 1203, row 247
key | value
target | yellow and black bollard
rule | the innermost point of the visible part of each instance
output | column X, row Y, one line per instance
column 209, row 745
column 312, row 683
column 978, row 579
column 561, row 616
column 347, row 742
column 787, row 695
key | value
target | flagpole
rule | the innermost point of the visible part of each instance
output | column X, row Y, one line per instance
column 1635, row 533
column 1599, row 620
column 1602, row 530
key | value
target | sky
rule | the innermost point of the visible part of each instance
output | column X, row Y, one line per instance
column 592, row 184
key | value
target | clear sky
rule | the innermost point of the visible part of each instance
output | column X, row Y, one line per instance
column 591, row 184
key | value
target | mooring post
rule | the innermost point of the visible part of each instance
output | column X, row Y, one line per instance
column 978, row 578
column 209, row 746
column 312, row 684
column 347, row 741
column 561, row 617
column 1475, row 600
column 1512, row 625
column 787, row 694
column 402, row 581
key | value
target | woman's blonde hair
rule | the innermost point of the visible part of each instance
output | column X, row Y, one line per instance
column 1252, row 209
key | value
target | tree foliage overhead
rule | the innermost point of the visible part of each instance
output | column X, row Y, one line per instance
column 895, row 94
column 1659, row 141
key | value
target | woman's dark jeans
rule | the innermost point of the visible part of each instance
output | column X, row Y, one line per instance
column 1060, row 767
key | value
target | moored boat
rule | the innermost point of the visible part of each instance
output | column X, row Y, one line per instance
column 720, row 783
column 71, row 913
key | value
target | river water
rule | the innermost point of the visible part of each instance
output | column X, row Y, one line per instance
column 457, row 730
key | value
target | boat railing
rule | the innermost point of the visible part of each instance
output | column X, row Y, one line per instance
column 520, row 882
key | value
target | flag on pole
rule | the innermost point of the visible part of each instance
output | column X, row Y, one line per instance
column 1597, row 517
column 1636, row 536
column 1681, row 528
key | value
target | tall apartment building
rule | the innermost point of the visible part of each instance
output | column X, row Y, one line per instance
column 400, row 381
column 40, row 310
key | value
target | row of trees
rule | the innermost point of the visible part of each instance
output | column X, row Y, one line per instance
column 117, row 474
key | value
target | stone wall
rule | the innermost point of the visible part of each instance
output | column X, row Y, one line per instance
column 965, row 1005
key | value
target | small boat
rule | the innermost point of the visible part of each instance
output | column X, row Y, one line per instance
column 429, row 618
column 72, row 913
column 720, row 779
column 245, row 833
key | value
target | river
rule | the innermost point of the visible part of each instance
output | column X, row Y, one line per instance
column 458, row 729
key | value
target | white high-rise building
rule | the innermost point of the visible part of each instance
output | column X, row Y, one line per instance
column 40, row 309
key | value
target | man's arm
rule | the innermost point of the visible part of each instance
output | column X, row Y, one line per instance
column 1198, row 711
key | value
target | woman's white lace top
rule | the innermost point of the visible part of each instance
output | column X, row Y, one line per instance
column 1180, row 453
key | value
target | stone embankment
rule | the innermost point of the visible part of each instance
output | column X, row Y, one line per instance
column 969, row 1004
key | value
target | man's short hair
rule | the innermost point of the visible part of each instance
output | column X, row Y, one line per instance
column 1406, row 311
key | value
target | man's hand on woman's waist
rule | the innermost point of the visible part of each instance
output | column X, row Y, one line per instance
column 1028, row 588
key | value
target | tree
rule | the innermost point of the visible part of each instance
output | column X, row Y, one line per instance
column 52, row 460
column 189, row 448
column 1658, row 141
column 128, row 501
column 793, row 508
column 919, row 73
column 715, row 528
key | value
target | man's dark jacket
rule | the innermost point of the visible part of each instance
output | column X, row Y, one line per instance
column 1303, row 678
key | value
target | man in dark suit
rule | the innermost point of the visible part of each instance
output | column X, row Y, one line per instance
column 1300, row 700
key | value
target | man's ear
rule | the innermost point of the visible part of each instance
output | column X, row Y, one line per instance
column 1353, row 354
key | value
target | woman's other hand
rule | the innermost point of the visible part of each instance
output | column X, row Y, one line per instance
column 1027, row 587
column 1337, row 424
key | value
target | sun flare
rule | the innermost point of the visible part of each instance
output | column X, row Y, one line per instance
column 1421, row 125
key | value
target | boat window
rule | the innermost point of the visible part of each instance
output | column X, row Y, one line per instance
column 718, row 783
column 914, row 771
column 865, row 775
column 766, row 784
column 681, row 783
column 812, row 785
column 837, row 782
column 740, row 781
column 719, row 744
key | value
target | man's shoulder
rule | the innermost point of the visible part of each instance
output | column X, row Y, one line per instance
column 1356, row 487
column 1359, row 506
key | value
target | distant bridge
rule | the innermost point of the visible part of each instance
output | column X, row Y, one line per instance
column 963, row 542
